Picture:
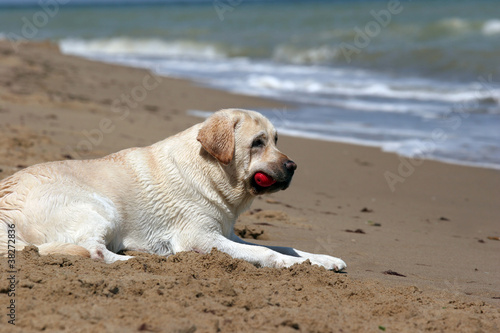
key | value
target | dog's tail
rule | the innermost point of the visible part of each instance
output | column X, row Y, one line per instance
column 63, row 248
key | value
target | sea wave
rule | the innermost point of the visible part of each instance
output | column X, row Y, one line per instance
column 324, row 54
column 453, row 25
column 341, row 87
column 367, row 86
column 491, row 27
column 142, row 47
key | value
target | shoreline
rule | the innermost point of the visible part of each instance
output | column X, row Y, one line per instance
column 413, row 161
column 358, row 143
column 439, row 134
column 436, row 229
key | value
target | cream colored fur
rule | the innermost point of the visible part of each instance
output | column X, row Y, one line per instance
column 183, row 193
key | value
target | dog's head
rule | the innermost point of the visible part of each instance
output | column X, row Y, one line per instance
column 244, row 142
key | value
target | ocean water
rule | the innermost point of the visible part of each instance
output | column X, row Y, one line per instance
column 419, row 78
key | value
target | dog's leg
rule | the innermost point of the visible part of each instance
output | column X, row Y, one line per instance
column 98, row 250
column 94, row 230
column 326, row 261
column 257, row 255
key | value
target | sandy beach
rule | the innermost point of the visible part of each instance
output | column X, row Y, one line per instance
column 420, row 238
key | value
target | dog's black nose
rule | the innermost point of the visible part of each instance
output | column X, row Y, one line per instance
column 290, row 165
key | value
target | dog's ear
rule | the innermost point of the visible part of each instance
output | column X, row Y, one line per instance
column 217, row 137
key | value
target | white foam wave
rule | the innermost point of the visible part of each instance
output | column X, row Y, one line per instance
column 402, row 92
column 491, row 27
column 346, row 128
column 452, row 154
column 427, row 111
column 330, row 138
column 411, row 148
column 364, row 87
column 454, row 24
column 141, row 47
column 319, row 55
column 275, row 83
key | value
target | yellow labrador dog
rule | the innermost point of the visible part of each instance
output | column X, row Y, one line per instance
column 183, row 193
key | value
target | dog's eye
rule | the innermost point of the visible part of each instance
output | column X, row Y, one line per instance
column 258, row 143
column 276, row 139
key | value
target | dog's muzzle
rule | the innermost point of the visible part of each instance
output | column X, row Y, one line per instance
column 281, row 178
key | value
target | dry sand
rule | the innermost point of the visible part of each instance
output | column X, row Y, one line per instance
column 437, row 231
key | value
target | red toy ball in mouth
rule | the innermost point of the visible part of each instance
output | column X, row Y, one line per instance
column 263, row 180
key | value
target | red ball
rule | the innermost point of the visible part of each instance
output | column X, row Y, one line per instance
column 263, row 180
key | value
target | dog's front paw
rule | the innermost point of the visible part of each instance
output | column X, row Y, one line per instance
column 330, row 263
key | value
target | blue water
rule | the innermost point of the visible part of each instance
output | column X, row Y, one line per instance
column 412, row 77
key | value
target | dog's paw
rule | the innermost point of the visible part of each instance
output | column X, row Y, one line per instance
column 330, row 263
